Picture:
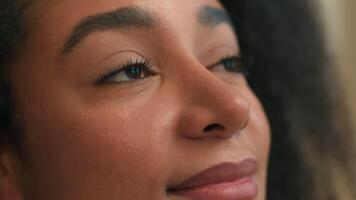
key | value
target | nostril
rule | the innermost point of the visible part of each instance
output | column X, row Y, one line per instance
column 213, row 127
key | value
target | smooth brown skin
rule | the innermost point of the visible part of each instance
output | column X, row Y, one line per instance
column 127, row 141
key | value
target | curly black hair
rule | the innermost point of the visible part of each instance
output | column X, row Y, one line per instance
column 11, row 34
column 290, row 75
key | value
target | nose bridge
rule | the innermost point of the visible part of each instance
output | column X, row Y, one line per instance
column 204, row 87
column 211, row 105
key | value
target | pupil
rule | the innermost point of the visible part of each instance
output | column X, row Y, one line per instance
column 134, row 72
column 230, row 65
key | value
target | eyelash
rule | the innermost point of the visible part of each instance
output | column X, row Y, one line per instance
column 239, row 66
column 139, row 62
column 145, row 63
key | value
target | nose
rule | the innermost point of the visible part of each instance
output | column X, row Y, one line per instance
column 211, row 107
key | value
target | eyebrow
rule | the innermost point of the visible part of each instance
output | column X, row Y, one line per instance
column 123, row 17
column 210, row 16
column 134, row 17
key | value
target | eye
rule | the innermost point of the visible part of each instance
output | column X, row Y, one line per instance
column 231, row 64
column 131, row 71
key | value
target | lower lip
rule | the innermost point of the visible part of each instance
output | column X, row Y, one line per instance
column 241, row 189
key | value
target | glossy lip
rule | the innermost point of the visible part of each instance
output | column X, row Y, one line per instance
column 220, row 180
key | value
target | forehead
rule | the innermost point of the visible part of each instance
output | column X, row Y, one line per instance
column 51, row 22
column 41, row 11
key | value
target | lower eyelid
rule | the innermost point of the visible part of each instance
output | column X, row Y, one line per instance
column 126, row 84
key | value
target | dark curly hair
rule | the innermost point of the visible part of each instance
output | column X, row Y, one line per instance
column 310, row 155
column 311, row 150
column 11, row 35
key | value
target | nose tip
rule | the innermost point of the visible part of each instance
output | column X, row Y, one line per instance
column 220, row 117
column 239, row 109
column 233, row 116
column 211, row 107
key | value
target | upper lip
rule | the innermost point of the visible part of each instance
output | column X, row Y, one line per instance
column 224, row 172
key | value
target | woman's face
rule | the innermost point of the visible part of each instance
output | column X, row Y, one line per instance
column 130, row 99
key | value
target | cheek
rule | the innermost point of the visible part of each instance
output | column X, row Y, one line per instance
column 101, row 147
column 257, row 133
column 258, row 128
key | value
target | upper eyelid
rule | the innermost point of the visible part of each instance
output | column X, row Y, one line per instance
column 102, row 61
column 121, row 67
column 222, row 59
column 116, row 68
column 218, row 52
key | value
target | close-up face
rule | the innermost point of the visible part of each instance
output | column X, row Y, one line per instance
column 124, row 99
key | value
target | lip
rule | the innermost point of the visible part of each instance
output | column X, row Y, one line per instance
column 224, row 181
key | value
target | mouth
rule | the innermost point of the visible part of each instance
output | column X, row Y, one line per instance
column 226, row 181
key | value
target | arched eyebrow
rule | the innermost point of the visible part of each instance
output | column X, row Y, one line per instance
column 117, row 19
column 135, row 17
column 210, row 16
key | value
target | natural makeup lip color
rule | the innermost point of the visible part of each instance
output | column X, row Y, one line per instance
column 225, row 181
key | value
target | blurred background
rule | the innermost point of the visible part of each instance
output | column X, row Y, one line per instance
column 339, row 18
